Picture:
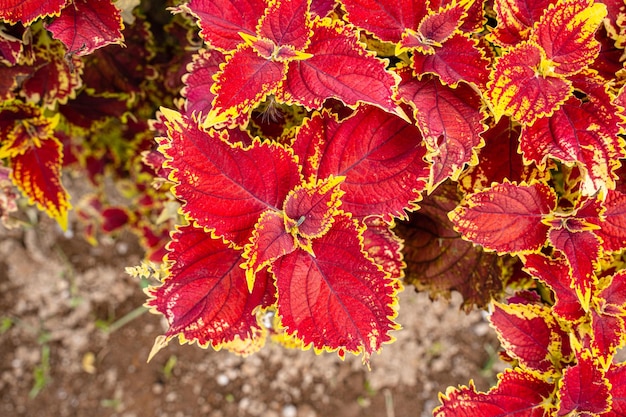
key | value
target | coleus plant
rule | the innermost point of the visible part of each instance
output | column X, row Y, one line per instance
column 308, row 133
column 325, row 152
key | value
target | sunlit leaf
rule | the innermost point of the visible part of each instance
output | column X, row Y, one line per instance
column 584, row 389
column 198, row 81
column 566, row 33
column 384, row 246
column 244, row 82
column 616, row 375
column 35, row 158
column 310, row 208
column 612, row 230
column 205, row 297
column 27, row 11
column 322, row 8
column 607, row 335
column 386, row 19
column 339, row 68
column 87, row 25
column 379, row 154
column 582, row 249
column 270, row 240
column 286, row 23
column 530, row 334
column 517, row 394
column 519, row 89
column 451, row 121
column 37, row 173
column 577, row 133
column 434, row 29
column 556, row 273
column 506, row 217
column 223, row 186
column 516, row 18
column 222, row 21
column 458, row 59
column 338, row 299
column 613, row 297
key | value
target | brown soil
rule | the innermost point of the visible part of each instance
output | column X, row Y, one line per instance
column 64, row 353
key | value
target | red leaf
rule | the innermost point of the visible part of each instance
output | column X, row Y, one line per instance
column 520, row 90
column 530, row 334
column 582, row 249
column 27, row 11
column 616, row 375
column 37, row 173
column 607, row 335
column 310, row 208
column 506, row 217
column 205, row 297
column 386, row 19
column 244, row 82
column 612, row 230
column 450, row 121
column 223, row 186
column 338, row 299
column 270, row 240
column 87, row 25
column 52, row 80
column 434, row 29
column 322, row 8
column 613, row 297
column 221, row 21
column 583, row 388
column 499, row 159
column 35, row 157
column 577, row 133
column 557, row 275
column 440, row 25
column 198, row 82
column 286, row 23
column 339, row 68
column 518, row 394
column 516, row 18
column 607, row 318
column 378, row 154
column 11, row 45
column 566, row 32
column 458, row 59
column 383, row 246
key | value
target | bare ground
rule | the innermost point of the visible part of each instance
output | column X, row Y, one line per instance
column 74, row 342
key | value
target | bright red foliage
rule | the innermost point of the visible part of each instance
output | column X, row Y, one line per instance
column 298, row 139
column 87, row 25
column 13, row 11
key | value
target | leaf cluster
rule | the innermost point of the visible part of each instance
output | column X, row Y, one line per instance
column 325, row 153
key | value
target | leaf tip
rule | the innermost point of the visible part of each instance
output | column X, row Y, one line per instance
column 160, row 342
column 250, row 279
column 170, row 115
